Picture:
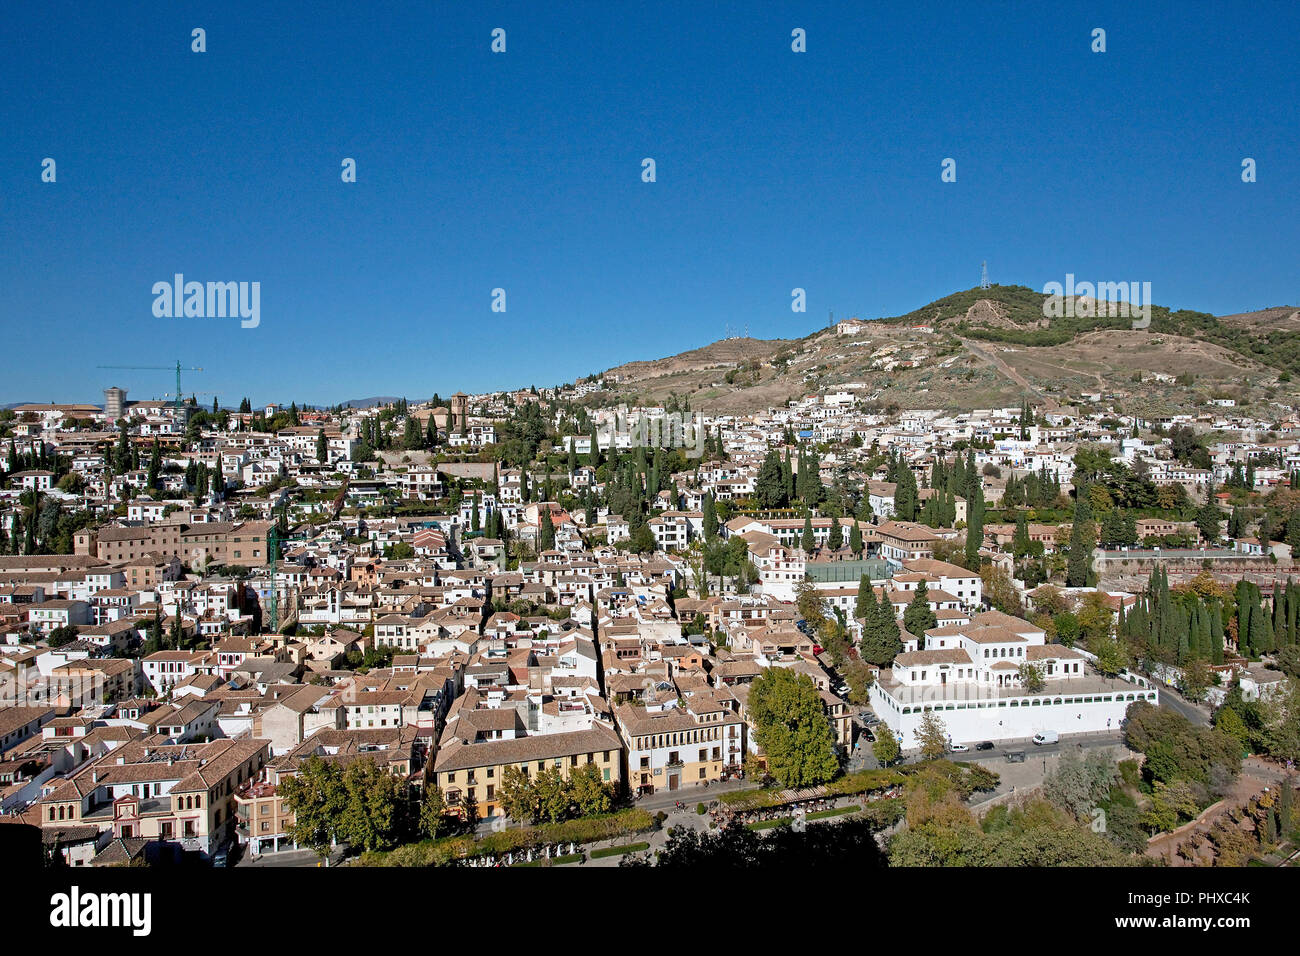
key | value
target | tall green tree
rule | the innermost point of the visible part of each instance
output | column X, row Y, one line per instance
column 835, row 538
column 866, row 601
column 546, row 531
column 974, row 524
column 792, row 729
column 919, row 617
column 1207, row 518
column 1079, row 559
column 881, row 638
column 769, row 485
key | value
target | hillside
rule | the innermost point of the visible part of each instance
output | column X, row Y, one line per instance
column 985, row 347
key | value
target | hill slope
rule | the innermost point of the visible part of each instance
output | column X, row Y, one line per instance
column 990, row 347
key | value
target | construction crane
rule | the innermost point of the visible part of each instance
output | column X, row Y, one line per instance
column 161, row 368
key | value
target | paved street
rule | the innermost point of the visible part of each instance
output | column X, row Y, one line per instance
column 287, row 858
column 1198, row 714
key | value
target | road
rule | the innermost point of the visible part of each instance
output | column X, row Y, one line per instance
column 287, row 858
column 1196, row 713
column 1000, row 364
column 1033, row 750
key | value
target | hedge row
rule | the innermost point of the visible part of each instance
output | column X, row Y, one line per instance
column 444, row 851
column 849, row 785
column 619, row 850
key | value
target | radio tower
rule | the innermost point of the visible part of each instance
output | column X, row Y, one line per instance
column 984, row 275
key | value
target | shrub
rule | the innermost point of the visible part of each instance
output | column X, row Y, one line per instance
column 619, row 850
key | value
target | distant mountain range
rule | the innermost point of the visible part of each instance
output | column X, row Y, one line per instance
column 371, row 402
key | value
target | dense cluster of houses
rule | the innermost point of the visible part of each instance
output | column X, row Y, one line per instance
column 413, row 639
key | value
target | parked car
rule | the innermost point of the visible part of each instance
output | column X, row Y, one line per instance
column 220, row 858
column 984, row 745
column 958, row 748
column 1047, row 737
column 1015, row 756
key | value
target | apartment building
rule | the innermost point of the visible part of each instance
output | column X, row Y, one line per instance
column 208, row 542
column 473, row 769
column 173, row 793
column 672, row 746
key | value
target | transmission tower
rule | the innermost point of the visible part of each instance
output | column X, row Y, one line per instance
column 984, row 275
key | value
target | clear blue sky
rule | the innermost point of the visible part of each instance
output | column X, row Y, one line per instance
column 522, row 170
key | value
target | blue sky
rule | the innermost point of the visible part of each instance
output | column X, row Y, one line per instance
column 522, row 171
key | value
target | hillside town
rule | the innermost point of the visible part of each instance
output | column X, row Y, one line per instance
column 499, row 612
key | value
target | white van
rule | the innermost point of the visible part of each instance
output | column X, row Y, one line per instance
column 1047, row 737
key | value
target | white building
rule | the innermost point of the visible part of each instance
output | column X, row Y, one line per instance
column 971, row 679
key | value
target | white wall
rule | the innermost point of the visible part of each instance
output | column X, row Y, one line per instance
column 996, row 720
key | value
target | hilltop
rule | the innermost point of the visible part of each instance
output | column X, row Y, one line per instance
column 989, row 347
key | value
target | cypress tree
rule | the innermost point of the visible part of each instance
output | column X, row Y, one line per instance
column 835, row 539
column 974, row 526
column 546, row 534
column 1020, row 543
column 1076, row 573
column 866, row 603
column 1279, row 614
column 1292, row 607
column 1216, row 636
column 155, row 465
column 919, row 616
